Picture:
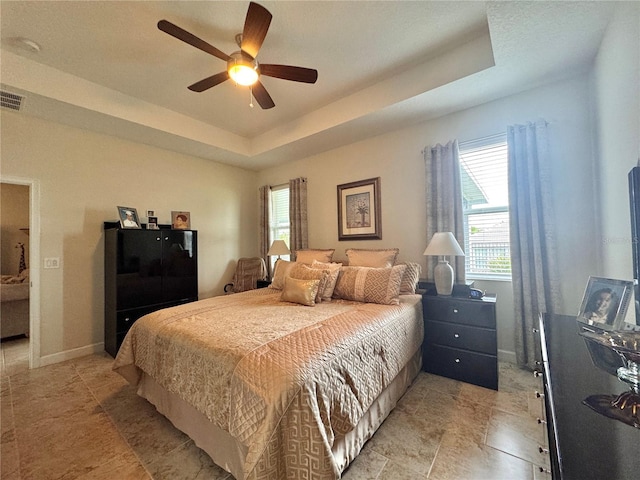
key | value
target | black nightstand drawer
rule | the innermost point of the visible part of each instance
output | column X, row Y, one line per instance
column 462, row 336
column 469, row 312
column 477, row 368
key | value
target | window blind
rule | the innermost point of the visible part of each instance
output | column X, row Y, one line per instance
column 485, row 192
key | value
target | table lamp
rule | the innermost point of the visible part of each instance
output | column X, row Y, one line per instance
column 443, row 244
column 278, row 247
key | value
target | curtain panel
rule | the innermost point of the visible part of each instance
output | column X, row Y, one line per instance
column 263, row 228
column 444, row 201
column 298, row 214
column 536, row 288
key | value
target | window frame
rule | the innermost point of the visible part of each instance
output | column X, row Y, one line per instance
column 479, row 144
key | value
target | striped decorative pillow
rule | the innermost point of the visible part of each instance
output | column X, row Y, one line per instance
column 370, row 285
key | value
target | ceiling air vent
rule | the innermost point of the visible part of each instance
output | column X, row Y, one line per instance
column 11, row 100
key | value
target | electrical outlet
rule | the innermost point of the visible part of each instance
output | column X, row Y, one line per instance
column 52, row 262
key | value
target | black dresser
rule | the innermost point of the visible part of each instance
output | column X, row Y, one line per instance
column 144, row 271
column 584, row 445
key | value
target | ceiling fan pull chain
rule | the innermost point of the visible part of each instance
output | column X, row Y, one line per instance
column 251, row 97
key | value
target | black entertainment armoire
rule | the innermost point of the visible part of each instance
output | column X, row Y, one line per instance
column 144, row 271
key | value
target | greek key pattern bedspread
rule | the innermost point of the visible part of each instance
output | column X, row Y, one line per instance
column 284, row 379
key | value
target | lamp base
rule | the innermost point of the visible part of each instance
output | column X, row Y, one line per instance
column 443, row 276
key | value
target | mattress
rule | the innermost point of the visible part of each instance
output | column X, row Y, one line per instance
column 288, row 387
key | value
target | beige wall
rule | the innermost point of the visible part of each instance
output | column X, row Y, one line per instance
column 396, row 157
column 83, row 177
column 14, row 215
column 616, row 80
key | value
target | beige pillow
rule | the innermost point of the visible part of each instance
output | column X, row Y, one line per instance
column 333, row 270
column 303, row 292
column 308, row 255
column 281, row 270
column 370, row 285
column 301, row 271
column 410, row 278
column 370, row 257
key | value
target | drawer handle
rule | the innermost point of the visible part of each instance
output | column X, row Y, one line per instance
column 544, row 470
column 537, row 373
column 157, row 239
column 541, row 421
column 543, row 450
column 455, row 335
column 457, row 360
column 127, row 319
column 455, row 310
column 539, row 395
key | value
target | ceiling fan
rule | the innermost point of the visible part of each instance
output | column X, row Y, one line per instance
column 242, row 66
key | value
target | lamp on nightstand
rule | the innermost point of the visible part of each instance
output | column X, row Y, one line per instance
column 443, row 244
column 278, row 247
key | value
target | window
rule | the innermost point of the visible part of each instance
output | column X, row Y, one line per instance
column 485, row 203
column 279, row 228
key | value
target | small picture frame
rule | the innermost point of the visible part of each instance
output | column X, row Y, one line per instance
column 181, row 220
column 359, row 215
column 605, row 303
column 152, row 224
column 128, row 217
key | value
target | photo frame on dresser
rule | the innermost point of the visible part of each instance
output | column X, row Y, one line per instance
column 128, row 217
column 605, row 303
column 181, row 220
column 359, row 216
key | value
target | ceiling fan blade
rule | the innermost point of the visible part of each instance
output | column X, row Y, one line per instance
column 191, row 39
column 262, row 96
column 256, row 25
column 287, row 72
column 209, row 82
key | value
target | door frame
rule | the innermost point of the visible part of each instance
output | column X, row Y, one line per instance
column 34, row 264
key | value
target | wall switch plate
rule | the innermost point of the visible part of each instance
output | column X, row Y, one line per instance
column 52, row 262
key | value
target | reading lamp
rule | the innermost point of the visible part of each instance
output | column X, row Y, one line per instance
column 443, row 244
column 278, row 247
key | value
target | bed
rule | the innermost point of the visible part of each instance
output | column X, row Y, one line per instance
column 14, row 304
column 271, row 388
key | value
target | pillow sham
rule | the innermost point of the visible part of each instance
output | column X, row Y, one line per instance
column 410, row 278
column 371, row 257
column 300, row 271
column 308, row 255
column 281, row 270
column 333, row 270
column 303, row 292
column 370, row 285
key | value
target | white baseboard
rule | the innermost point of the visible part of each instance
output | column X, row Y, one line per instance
column 70, row 354
column 507, row 356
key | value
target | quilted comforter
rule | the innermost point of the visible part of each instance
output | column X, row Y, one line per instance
column 279, row 377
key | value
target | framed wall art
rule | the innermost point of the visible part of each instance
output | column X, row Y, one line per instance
column 181, row 220
column 359, row 216
column 128, row 217
column 605, row 303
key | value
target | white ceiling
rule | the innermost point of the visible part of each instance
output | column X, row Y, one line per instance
column 105, row 66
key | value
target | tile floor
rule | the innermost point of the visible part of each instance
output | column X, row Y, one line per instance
column 79, row 420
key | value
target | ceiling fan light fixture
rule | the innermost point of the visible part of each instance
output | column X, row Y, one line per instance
column 241, row 70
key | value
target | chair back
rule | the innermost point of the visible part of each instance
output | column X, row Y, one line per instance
column 248, row 271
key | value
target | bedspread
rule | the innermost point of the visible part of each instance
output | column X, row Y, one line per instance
column 270, row 372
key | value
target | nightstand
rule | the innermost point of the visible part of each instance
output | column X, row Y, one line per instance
column 460, row 339
column 263, row 283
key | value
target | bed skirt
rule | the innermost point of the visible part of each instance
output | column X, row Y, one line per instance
column 230, row 454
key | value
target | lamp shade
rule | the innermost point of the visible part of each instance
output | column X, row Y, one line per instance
column 278, row 247
column 443, row 243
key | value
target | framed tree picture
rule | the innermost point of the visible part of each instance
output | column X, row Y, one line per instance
column 359, row 210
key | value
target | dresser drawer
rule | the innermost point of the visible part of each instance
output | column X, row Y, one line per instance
column 469, row 312
column 461, row 336
column 472, row 367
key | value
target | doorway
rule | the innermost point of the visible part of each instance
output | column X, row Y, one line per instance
column 19, row 245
